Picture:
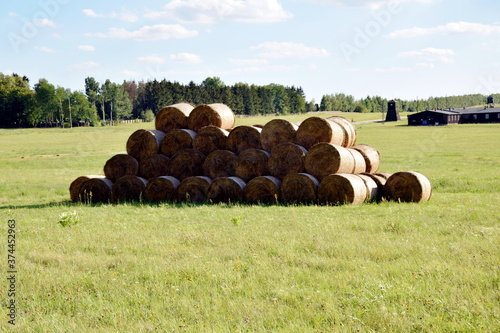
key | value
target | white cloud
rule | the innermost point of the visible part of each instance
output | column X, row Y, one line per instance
column 392, row 70
column 373, row 4
column 149, row 33
column 43, row 22
column 124, row 15
column 430, row 54
column 186, row 58
column 88, row 48
column 248, row 62
column 152, row 59
column 86, row 65
column 45, row 49
column 450, row 28
column 288, row 50
column 210, row 11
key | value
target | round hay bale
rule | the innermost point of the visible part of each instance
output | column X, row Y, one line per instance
column 339, row 189
column 380, row 181
column 186, row 163
column 277, row 131
column 210, row 138
column 262, row 189
column 314, row 130
column 194, row 189
column 153, row 166
column 144, row 143
column 226, row 189
column 220, row 163
column 371, row 156
column 385, row 175
column 299, row 188
column 324, row 159
column 372, row 188
column 244, row 137
column 252, row 163
column 359, row 161
column 95, row 190
column 349, row 130
column 286, row 158
column 408, row 186
column 161, row 189
column 120, row 165
column 128, row 188
column 177, row 140
column 216, row 114
column 74, row 187
column 173, row 117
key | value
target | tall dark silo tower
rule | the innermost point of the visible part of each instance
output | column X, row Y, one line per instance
column 392, row 112
column 490, row 101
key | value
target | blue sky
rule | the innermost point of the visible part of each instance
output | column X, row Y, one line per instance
column 396, row 49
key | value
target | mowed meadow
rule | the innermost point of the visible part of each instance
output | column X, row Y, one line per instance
column 380, row 267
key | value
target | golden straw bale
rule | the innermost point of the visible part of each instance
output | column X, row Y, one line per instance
column 143, row 143
column 371, row 188
column 186, row 163
column 380, row 181
column 286, row 158
column 408, row 186
column 314, row 130
column 371, row 156
column 277, row 131
column 339, row 189
column 95, row 190
column 161, row 189
column 226, row 189
column 299, row 188
column 252, row 163
column 244, row 137
column 74, row 187
column 216, row 114
column 128, row 188
column 194, row 189
column 349, row 130
column 173, row 117
column 120, row 165
column 385, row 175
column 359, row 161
column 210, row 138
column 220, row 163
column 262, row 189
column 177, row 140
column 326, row 158
column 153, row 166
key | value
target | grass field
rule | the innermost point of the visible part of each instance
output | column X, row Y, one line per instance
column 388, row 267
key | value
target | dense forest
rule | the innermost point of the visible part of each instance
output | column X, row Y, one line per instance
column 46, row 105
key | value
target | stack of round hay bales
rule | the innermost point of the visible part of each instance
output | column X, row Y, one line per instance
column 195, row 155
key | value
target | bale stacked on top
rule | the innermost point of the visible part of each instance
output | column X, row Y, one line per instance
column 195, row 155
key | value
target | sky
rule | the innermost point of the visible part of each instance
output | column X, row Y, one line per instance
column 408, row 49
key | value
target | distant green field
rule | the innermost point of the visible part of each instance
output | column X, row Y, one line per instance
column 429, row 267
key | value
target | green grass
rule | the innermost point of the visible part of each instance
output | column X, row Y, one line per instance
column 389, row 267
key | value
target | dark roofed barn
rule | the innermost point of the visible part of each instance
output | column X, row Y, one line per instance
column 445, row 117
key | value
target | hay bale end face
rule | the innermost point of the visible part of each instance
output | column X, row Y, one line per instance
column 286, row 158
column 95, row 190
column 210, row 138
column 299, row 188
column 216, row 114
column 262, row 190
column 176, row 141
column 153, row 166
column 144, row 143
column 314, row 130
column 226, row 189
column 252, row 163
column 121, row 165
column 186, row 163
column 324, row 159
column 173, row 117
column 128, row 188
column 194, row 189
column 339, row 189
column 161, row 189
column 349, row 130
column 371, row 156
column 74, row 187
column 220, row 163
column 359, row 161
column 277, row 131
column 408, row 186
column 244, row 137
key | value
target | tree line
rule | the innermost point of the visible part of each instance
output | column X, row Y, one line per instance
column 47, row 105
